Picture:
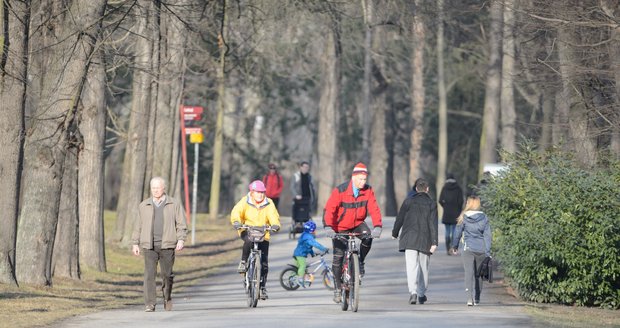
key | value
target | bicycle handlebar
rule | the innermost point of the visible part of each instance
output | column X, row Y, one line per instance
column 263, row 228
column 347, row 235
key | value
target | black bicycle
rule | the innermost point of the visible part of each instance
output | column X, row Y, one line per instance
column 252, row 276
column 350, row 275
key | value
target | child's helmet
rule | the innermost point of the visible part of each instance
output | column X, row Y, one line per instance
column 309, row 227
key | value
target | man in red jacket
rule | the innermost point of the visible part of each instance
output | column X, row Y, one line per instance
column 273, row 182
column 345, row 211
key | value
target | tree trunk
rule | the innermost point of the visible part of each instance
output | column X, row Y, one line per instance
column 91, row 167
column 417, row 93
column 214, row 200
column 379, row 153
column 155, row 68
column 546, row 130
column 140, row 116
column 366, row 114
column 578, row 119
column 13, row 72
column 65, row 257
column 169, row 88
column 488, row 138
column 508, row 113
column 442, row 147
column 328, row 113
column 61, row 80
column 615, row 119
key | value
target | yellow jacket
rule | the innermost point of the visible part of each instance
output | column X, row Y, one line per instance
column 246, row 212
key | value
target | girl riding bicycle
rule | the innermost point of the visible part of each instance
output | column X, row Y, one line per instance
column 304, row 247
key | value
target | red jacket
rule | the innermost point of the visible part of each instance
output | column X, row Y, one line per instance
column 273, row 184
column 343, row 211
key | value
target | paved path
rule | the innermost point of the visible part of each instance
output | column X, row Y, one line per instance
column 219, row 301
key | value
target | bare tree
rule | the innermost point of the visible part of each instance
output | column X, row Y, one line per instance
column 14, row 22
column 368, row 8
column 328, row 109
column 214, row 200
column 169, row 86
column 417, row 91
column 508, row 114
column 488, row 140
column 140, row 115
column 91, row 167
column 65, row 257
column 442, row 149
column 69, row 27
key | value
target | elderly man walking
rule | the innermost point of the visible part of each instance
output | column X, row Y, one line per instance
column 159, row 231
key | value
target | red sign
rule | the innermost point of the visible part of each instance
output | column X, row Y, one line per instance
column 193, row 130
column 192, row 117
column 192, row 110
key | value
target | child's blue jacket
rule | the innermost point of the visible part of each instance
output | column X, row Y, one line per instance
column 305, row 243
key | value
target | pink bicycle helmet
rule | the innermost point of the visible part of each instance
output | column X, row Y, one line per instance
column 257, row 185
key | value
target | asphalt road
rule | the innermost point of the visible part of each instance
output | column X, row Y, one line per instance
column 219, row 300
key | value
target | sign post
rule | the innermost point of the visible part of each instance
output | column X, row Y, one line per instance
column 196, row 139
column 187, row 113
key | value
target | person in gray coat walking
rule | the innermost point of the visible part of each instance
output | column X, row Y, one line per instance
column 418, row 239
column 473, row 225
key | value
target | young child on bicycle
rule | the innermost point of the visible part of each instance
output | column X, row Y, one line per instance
column 304, row 247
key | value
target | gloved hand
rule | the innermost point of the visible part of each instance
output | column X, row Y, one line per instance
column 275, row 227
column 376, row 232
column 329, row 232
column 237, row 225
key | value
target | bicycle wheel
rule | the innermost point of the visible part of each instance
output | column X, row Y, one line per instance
column 256, row 281
column 288, row 279
column 354, row 292
column 328, row 279
column 253, row 281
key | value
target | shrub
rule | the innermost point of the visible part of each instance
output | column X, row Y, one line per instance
column 556, row 229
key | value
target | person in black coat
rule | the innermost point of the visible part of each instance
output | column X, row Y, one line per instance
column 418, row 239
column 451, row 199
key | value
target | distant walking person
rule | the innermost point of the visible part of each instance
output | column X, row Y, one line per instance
column 451, row 199
column 418, row 239
column 274, row 184
column 159, row 231
column 473, row 225
column 304, row 194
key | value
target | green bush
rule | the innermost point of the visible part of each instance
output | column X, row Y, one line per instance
column 556, row 228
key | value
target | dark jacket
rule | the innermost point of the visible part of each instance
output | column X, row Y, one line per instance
column 476, row 232
column 451, row 199
column 418, row 218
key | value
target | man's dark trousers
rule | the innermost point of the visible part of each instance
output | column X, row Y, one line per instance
column 165, row 257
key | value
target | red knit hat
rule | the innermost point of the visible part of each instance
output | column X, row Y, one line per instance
column 360, row 168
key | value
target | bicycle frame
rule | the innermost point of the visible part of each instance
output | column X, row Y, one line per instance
column 288, row 276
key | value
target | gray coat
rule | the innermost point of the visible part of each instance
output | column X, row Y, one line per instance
column 418, row 219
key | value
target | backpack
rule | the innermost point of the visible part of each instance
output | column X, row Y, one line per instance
column 485, row 269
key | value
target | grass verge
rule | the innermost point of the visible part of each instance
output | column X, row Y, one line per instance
column 27, row 306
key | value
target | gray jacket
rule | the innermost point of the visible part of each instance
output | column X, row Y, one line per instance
column 476, row 232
